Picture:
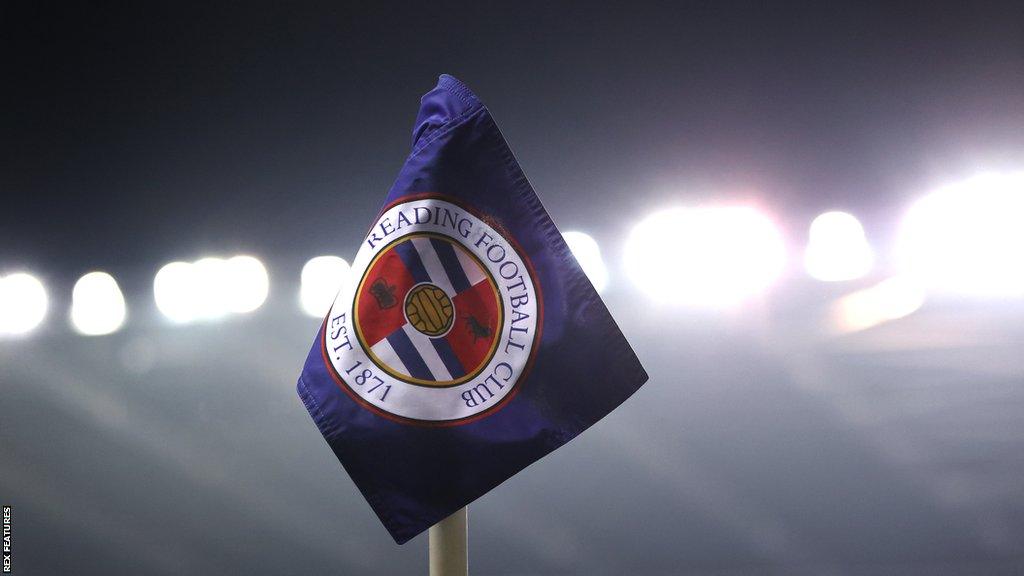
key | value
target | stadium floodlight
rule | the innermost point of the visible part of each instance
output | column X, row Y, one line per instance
column 210, row 288
column 588, row 254
column 322, row 278
column 248, row 284
column 713, row 256
column 213, row 285
column 176, row 292
column 837, row 248
column 97, row 305
column 23, row 304
column 967, row 238
column 888, row 300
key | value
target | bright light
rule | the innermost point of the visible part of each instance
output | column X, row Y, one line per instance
column 213, row 288
column 210, row 288
column 23, row 304
column 174, row 289
column 837, row 249
column 588, row 254
column 967, row 238
column 322, row 278
column 97, row 305
column 248, row 284
column 888, row 300
column 709, row 256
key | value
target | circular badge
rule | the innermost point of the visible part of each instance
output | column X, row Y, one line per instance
column 442, row 320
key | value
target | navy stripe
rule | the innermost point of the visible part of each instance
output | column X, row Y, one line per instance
column 407, row 353
column 411, row 259
column 451, row 362
column 446, row 254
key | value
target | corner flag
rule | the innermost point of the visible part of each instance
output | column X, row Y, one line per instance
column 471, row 343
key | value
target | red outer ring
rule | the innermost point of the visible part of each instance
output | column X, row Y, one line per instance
column 522, row 376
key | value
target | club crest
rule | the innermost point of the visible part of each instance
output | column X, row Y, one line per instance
column 443, row 320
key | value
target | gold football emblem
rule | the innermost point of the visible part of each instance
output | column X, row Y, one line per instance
column 429, row 309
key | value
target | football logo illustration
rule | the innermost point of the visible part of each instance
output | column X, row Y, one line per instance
column 429, row 310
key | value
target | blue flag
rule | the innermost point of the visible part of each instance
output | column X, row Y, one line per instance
column 470, row 343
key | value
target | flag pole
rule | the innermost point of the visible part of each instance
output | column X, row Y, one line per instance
column 448, row 552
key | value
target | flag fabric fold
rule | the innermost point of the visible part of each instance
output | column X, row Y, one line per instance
column 470, row 343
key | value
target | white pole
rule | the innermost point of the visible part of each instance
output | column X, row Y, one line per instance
column 448, row 553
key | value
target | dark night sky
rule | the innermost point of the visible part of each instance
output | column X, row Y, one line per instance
column 135, row 133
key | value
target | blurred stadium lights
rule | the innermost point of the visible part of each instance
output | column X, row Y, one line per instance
column 588, row 254
column 97, row 305
column 888, row 300
column 708, row 256
column 23, row 303
column 837, row 248
column 210, row 288
column 248, row 282
column 967, row 238
column 173, row 290
column 322, row 278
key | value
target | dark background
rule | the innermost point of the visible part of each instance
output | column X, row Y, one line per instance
column 137, row 133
